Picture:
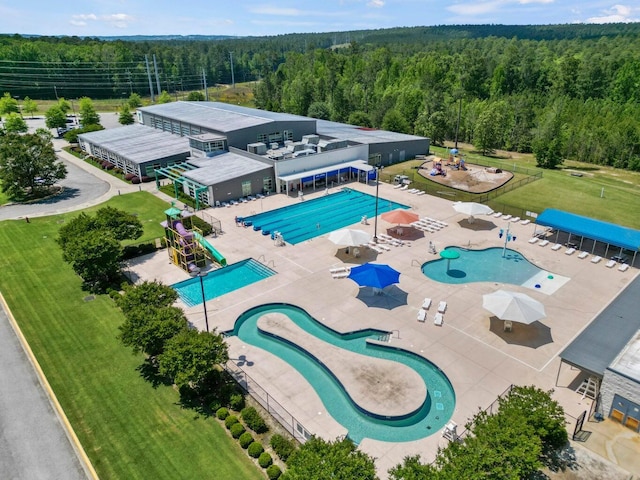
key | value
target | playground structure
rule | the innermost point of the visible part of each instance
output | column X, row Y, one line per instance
column 187, row 248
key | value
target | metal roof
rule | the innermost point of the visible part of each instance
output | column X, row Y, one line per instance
column 344, row 131
column 627, row 363
column 359, row 164
column 219, row 117
column 599, row 344
column 138, row 144
column 223, row 167
column 591, row 228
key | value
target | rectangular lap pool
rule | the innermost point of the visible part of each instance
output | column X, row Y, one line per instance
column 311, row 218
column 222, row 281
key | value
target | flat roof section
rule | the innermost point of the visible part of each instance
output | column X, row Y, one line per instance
column 223, row 167
column 137, row 143
column 365, row 136
column 591, row 228
column 219, row 117
column 604, row 338
column 628, row 362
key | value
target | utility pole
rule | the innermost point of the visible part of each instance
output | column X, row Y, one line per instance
column 146, row 61
column 233, row 78
column 458, row 122
column 155, row 66
column 204, row 82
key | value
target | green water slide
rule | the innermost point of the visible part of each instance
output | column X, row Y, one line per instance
column 215, row 254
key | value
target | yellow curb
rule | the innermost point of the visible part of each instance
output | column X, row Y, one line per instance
column 71, row 434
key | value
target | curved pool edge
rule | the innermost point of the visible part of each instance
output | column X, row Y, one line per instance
column 437, row 410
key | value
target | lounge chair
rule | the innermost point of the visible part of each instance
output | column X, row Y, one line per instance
column 421, row 192
column 259, row 195
column 438, row 319
column 596, row 259
column 375, row 248
column 338, row 269
column 442, row 306
column 624, row 267
column 506, row 217
column 398, row 186
column 508, row 326
column 611, row 264
column 570, row 251
column 556, row 247
column 525, row 222
column 583, row 255
column 426, row 303
column 405, row 187
column 497, row 214
column 515, row 219
column 344, row 274
column 422, row 315
column 384, row 247
column 533, row 240
column 544, row 243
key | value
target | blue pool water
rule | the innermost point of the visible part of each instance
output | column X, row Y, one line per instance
column 311, row 218
column 433, row 415
column 482, row 266
column 222, row 281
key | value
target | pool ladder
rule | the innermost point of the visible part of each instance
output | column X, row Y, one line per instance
column 263, row 260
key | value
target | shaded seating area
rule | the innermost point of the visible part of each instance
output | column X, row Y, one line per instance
column 595, row 237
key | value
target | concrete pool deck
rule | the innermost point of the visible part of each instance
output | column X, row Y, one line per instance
column 479, row 363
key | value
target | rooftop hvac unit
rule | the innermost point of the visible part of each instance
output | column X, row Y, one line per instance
column 312, row 139
column 258, row 148
column 274, row 146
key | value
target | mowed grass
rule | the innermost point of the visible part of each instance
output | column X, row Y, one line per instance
column 128, row 428
column 561, row 190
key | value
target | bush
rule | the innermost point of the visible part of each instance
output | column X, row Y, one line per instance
column 206, row 229
column 230, row 420
column 274, row 472
column 222, row 413
column 237, row 401
column 264, row 460
column 236, row 430
column 129, row 176
column 253, row 420
column 135, row 180
column 282, row 446
column 245, row 440
column 255, row 449
column 146, row 179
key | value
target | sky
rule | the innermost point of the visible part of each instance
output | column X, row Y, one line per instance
column 258, row 18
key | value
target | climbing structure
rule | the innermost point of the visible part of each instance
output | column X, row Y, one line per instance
column 183, row 246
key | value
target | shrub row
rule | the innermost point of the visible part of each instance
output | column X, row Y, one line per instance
column 282, row 446
column 245, row 439
column 253, row 420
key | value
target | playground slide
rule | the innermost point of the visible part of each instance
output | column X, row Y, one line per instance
column 217, row 256
column 181, row 230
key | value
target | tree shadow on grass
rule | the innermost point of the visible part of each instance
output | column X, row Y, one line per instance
column 149, row 371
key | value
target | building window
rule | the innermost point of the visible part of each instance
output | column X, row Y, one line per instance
column 288, row 135
column 262, row 137
column 246, row 188
column 267, row 184
column 275, row 137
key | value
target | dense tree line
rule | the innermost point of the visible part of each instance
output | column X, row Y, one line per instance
column 580, row 96
column 561, row 91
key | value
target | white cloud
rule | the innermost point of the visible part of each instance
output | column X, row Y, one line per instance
column 473, row 9
column 120, row 20
column 617, row 14
column 376, row 3
column 524, row 2
column 278, row 11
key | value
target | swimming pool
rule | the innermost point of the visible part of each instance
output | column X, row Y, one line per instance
column 311, row 218
column 222, row 281
column 489, row 265
column 432, row 416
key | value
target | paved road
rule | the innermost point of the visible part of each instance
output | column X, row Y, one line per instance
column 33, row 443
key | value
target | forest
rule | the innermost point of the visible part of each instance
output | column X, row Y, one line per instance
column 563, row 92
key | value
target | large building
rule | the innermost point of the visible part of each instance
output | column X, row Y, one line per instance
column 217, row 152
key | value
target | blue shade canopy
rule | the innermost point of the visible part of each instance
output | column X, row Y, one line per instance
column 374, row 275
column 454, row 150
column 591, row 228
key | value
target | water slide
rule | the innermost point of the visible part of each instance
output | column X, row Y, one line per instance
column 217, row 256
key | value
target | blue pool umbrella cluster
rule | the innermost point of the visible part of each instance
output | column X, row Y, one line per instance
column 311, row 218
column 374, row 275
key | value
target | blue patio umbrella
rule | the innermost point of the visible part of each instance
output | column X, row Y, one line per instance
column 453, row 151
column 374, row 275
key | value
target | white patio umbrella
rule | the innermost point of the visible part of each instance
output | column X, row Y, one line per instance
column 472, row 209
column 349, row 238
column 513, row 306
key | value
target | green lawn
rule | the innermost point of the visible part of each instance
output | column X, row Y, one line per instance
column 129, row 429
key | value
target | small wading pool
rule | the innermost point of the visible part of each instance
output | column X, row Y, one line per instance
column 222, row 281
column 431, row 417
column 489, row 265
column 311, row 218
